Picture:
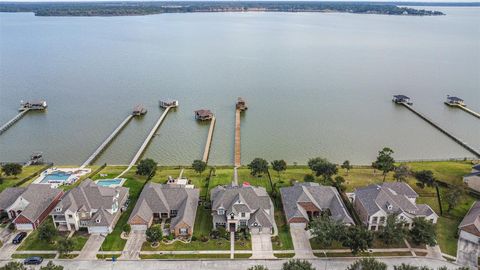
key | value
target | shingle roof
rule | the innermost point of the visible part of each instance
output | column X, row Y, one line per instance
column 158, row 198
column 88, row 195
column 10, row 195
column 39, row 198
column 247, row 199
column 396, row 195
column 472, row 218
column 323, row 197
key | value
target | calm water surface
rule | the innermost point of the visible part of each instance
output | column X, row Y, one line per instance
column 316, row 84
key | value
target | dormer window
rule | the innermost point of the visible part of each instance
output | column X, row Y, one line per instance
column 98, row 220
column 389, row 206
column 221, row 211
column 58, row 209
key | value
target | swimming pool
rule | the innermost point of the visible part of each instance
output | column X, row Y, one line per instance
column 110, row 182
column 56, row 176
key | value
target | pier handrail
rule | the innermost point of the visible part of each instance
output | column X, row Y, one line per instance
column 206, row 151
column 12, row 121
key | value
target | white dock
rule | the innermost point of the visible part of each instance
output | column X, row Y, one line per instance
column 465, row 108
column 147, row 141
column 107, row 141
column 206, row 152
column 13, row 121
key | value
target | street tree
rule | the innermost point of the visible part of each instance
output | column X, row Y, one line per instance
column 423, row 232
column 13, row 266
column 258, row 166
column 51, row 266
column 65, row 246
column 47, row 232
column 296, row 264
column 385, row 161
column 394, row 230
column 357, row 238
column 368, row 264
column 326, row 230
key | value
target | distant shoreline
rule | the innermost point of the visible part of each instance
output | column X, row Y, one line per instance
column 109, row 9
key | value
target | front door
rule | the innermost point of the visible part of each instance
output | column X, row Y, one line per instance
column 232, row 227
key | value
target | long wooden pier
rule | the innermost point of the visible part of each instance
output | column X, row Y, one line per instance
column 147, row 140
column 453, row 137
column 107, row 141
column 13, row 121
column 206, row 151
column 465, row 108
column 237, row 158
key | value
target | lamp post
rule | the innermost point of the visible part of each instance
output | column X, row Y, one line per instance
column 326, row 259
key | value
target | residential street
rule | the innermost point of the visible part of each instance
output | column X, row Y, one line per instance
column 89, row 251
column 319, row 264
column 301, row 243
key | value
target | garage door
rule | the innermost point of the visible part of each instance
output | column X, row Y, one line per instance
column 24, row 227
column 103, row 230
column 139, row 227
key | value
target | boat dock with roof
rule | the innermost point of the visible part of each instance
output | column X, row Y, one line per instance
column 457, row 102
column 24, row 108
column 407, row 104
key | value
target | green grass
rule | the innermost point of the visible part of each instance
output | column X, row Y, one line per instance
column 33, row 243
column 10, row 181
column 24, row 256
column 107, row 256
column 366, row 254
column 284, row 255
column 113, row 241
column 184, row 256
column 284, row 240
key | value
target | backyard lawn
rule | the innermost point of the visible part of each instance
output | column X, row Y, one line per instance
column 9, row 181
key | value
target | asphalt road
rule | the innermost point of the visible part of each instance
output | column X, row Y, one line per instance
column 319, row 264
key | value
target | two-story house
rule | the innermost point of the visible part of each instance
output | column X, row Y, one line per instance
column 375, row 202
column 468, row 246
column 28, row 207
column 96, row 208
column 249, row 207
column 304, row 201
column 166, row 201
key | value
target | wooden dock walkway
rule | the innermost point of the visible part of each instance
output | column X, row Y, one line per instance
column 453, row 137
column 13, row 121
column 107, row 141
column 465, row 108
column 147, row 141
column 206, row 151
column 237, row 158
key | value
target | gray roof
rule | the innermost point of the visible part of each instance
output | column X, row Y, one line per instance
column 104, row 217
column 88, row 195
column 253, row 200
column 323, row 197
column 472, row 217
column 10, row 195
column 39, row 198
column 476, row 167
column 394, row 194
column 159, row 198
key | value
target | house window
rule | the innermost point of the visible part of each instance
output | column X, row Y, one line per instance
column 173, row 213
column 243, row 223
column 382, row 219
column 243, row 214
column 374, row 220
column 98, row 220
column 70, row 216
column 183, row 231
column 58, row 209
column 221, row 211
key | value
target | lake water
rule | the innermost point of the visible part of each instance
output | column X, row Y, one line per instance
column 317, row 84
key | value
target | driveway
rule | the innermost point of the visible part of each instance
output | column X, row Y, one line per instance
column 6, row 251
column 262, row 246
column 132, row 248
column 89, row 251
column 467, row 253
column 301, row 243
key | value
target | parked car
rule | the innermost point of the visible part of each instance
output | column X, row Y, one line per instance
column 33, row 260
column 19, row 238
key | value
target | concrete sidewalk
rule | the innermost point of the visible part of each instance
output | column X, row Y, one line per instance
column 93, row 244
